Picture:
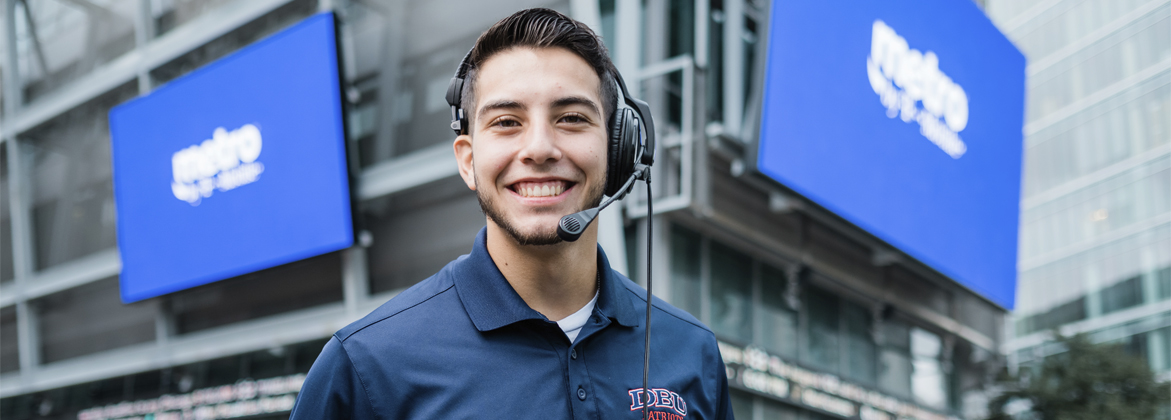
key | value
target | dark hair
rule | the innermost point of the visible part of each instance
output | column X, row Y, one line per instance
column 541, row 28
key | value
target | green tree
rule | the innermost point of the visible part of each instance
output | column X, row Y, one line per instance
column 1088, row 382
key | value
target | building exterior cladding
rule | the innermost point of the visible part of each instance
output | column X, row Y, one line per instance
column 1095, row 253
column 816, row 318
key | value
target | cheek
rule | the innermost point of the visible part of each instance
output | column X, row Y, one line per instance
column 488, row 165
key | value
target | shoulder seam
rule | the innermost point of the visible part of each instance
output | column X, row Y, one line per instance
column 343, row 339
column 357, row 373
column 643, row 298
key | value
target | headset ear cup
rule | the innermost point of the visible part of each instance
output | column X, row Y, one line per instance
column 623, row 144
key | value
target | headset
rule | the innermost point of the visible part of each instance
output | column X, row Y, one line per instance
column 630, row 154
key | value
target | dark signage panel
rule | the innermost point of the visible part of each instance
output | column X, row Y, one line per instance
column 905, row 118
column 236, row 167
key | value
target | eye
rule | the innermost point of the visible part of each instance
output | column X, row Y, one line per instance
column 505, row 123
column 574, row 119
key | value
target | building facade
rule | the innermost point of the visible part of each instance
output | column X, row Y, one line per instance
column 1096, row 203
column 817, row 319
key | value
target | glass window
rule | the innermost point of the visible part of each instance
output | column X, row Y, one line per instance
column 715, row 70
column 1134, row 122
column 680, row 27
column 776, row 411
column 72, row 189
column 731, row 293
column 1119, row 202
column 894, row 372
column 741, row 404
column 1068, row 22
column 6, row 259
column 248, row 33
column 1122, row 295
column 1053, row 285
column 58, row 41
column 1159, row 349
column 821, row 345
column 686, row 290
column 419, row 58
column 67, row 402
column 91, row 318
column 860, row 350
column 9, row 349
column 297, row 285
column 778, row 322
column 1139, row 45
column 606, row 9
column 1005, row 10
column 444, row 212
column 1163, row 283
column 170, row 14
column 929, row 381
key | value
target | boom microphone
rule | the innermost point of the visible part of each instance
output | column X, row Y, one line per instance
column 571, row 227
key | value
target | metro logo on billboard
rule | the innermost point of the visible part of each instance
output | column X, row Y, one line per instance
column 911, row 86
column 904, row 118
column 236, row 167
column 224, row 162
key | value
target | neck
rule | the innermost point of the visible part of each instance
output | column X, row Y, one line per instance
column 555, row 280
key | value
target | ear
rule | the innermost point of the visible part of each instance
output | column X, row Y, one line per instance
column 463, row 157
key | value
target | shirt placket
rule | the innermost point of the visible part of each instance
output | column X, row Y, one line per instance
column 581, row 387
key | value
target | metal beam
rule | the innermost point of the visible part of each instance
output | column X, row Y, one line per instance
column 75, row 273
column 733, row 65
column 13, row 92
column 181, row 40
column 415, row 169
column 32, row 34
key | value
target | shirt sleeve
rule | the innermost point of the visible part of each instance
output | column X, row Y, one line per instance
column 332, row 389
column 724, row 408
column 725, row 400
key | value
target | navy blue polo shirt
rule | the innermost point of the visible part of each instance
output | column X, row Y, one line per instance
column 463, row 344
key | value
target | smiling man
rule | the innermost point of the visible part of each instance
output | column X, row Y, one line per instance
column 526, row 325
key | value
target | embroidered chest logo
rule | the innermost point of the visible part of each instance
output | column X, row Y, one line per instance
column 670, row 405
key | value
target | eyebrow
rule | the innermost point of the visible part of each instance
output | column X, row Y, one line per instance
column 558, row 103
column 501, row 104
column 576, row 100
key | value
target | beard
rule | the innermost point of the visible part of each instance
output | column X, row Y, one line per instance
column 544, row 237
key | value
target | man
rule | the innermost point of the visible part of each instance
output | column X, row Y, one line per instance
column 526, row 326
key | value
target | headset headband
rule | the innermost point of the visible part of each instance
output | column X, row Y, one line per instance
column 459, row 119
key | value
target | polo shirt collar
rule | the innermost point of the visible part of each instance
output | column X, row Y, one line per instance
column 492, row 303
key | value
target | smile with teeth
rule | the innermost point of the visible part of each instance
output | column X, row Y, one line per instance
column 540, row 189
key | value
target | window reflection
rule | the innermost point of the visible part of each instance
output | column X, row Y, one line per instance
column 170, row 14
column 445, row 212
column 686, row 290
column 821, row 348
column 416, row 59
column 731, row 293
column 59, row 41
column 827, row 332
column 928, row 381
column 71, row 181
column 1069, row 22
column 778, row 322
column 1143, row 44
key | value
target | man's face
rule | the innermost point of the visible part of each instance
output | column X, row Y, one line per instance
column 539, row 148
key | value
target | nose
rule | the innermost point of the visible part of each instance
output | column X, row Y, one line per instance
column 540, row 144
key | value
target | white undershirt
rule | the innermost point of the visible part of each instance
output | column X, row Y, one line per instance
column 572, row 324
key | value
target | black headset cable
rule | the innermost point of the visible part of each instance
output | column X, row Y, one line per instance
column 646, row 361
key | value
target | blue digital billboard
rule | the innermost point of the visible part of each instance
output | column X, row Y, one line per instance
column 904, row 118
column 235, row 167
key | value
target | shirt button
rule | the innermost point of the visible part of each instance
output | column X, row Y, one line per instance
column 573, row 354
column 581, row 393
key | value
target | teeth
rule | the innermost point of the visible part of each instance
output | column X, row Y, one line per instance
column 543, row 189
